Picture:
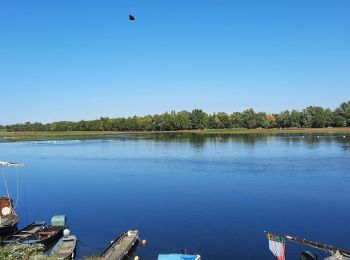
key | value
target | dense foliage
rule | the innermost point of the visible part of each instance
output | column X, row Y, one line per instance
column 21, row 251
column 310, row 117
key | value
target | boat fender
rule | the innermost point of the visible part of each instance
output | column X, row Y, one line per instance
column 66, row 232
column 144, row 242
column 6, row 211
column 136, row 258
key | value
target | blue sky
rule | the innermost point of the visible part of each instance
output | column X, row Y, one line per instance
column 82, row 59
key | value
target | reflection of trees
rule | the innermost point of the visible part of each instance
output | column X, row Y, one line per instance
column 198, row 140
column 314, row 140
column 346, row 147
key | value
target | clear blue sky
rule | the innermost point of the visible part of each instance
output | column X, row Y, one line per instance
column 82, row 59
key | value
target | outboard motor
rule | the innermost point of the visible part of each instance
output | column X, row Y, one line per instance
column 307, row 255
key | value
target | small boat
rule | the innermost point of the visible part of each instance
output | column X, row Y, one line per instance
column 45, row 236
column 278, row 241
column 25, row 233
column 65, row 248
column 120, row 248
column 178, row 257
column 49, row 234
column 8, row 216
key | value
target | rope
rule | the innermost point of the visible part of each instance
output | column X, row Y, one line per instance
column 3, row 176
column 25, row 204
column 17, row 195
column 0, row 188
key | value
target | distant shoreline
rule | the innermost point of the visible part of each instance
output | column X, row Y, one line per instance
column 37, row 136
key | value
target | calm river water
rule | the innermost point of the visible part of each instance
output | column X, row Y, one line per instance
column 211, row 194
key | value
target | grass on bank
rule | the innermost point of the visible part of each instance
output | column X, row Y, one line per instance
column 20, row 251
column 68, row 135
column 29, row 252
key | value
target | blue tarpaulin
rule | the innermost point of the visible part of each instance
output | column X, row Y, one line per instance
column 177, row 257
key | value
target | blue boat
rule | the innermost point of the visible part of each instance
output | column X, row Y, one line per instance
column 178, row 257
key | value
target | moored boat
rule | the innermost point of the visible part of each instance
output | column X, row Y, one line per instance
column 277, row 246
column 25, row 233
column 65, row 248
column 45, row 236
column 121, row 246
column 8, row 216
column 49, row 234
column 178, row 257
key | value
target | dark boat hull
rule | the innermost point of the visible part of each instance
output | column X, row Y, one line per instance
column 19, row 236
column 47, row 241
column 9, row 221
column 9, row 230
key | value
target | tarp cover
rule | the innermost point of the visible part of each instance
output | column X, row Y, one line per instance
column 58, row 221
column 176, row 257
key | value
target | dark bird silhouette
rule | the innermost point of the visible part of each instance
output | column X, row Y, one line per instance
column 131, row 17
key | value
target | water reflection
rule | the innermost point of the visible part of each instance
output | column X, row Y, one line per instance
column 181, row 190
column 198, row 140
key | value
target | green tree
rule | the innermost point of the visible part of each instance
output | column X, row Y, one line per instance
column 224, row 120
column 199, row 119
column 214, row 122
column 315, row 117
column 343, row 111
column 283, row 119
column 183, row 121
column 295, row 118
column 329, row 117
column 249, row 119
column 235, row 120
column 271, row 121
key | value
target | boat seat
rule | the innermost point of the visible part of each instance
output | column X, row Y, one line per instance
column 32, row 231
column 47, row 233
column 22, row 235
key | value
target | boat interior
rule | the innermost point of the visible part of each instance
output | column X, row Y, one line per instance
column 7, row 215
column 48, row 232
column 26, row 232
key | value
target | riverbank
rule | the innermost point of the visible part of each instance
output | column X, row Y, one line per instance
column 69, row 135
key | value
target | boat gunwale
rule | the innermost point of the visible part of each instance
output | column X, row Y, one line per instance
column 61, row 242
column 118, row 239
column 36, row 223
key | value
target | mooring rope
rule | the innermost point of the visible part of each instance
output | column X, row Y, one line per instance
column 0, row 187
column 25, row 204
column 17, row 195
column 3, row 176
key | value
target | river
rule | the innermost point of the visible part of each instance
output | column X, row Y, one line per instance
column 212, row 194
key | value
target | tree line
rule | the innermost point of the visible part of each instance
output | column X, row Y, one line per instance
column 310, row 117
